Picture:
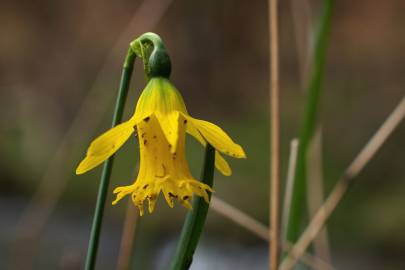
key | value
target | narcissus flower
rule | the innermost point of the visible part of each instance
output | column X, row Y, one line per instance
column 161, row 122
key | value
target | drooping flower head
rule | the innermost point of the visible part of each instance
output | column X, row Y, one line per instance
column 161, row 122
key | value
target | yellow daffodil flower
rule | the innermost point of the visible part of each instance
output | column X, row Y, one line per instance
column 161, row 122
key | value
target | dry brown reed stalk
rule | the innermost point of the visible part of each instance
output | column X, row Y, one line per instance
column 292, row 162
column 301, row 17
column 239, row 217
column 274, row 251
column 128, row 237
column 128, row 233
column 55, row 177
column 340, row 189
column 262, row 231
column 315, row 192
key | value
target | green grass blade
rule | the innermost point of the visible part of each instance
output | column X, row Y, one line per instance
column 309, row 122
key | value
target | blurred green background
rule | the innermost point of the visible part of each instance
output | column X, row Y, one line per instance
column 60, row 64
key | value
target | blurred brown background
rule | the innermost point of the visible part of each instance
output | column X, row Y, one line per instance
column 56, row 57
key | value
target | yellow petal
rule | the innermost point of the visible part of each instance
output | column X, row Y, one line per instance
column 215, row 136
column 218, row 138
column 170, row 127
column 190, row 129
column 122, row 192
column 220, row 163
column 105, row 146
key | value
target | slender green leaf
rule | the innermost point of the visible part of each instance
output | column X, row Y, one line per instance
column 309, row 122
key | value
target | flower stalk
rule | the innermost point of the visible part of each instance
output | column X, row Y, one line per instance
column 195, row 219
column 108, row 164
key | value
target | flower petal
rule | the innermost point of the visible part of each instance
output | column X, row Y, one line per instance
column 105, row 146
column 190, row 129
column 217, row 138
column 170, row 127
column 220, row 163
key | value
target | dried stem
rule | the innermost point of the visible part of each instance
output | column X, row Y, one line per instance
column 393, row 120
column 128, row 233
column 315, row 192
column 275, row 137
column 301, row 17
column 240, row 218
column 128, row 237
column 262, row 231
column 292, row 163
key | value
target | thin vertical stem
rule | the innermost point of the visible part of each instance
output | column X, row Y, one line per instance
column 128, row 237
column 107, row 168
column 289, row 186
column 194, row 223
column 275, row 138
column 128, row 234
column 301, row 17
column 310, row 121
column 315, row 191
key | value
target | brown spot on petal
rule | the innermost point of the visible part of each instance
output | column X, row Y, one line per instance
column 146, row 119
column 172, row 195
column 186, row 197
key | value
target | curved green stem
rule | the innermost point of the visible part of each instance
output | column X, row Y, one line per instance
column 195, row 219
column 152, row 50
column 107, row 168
